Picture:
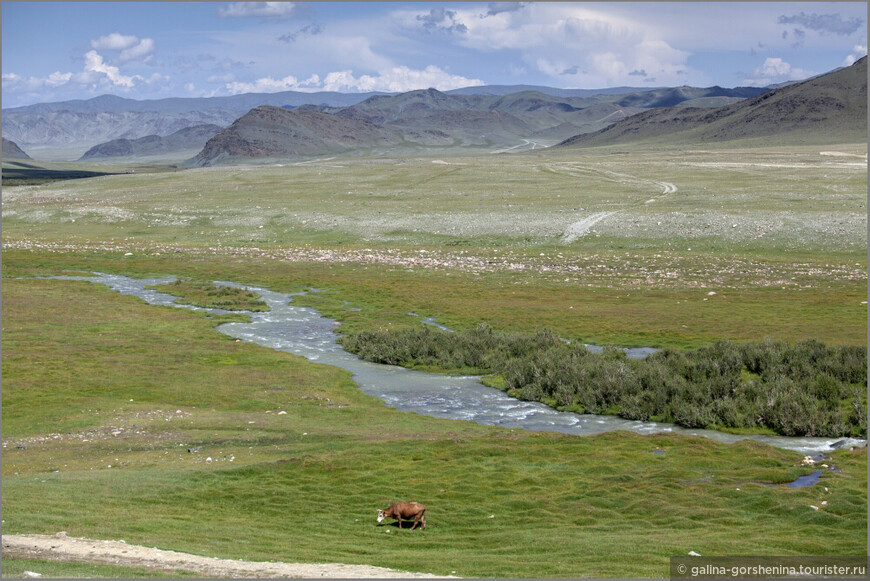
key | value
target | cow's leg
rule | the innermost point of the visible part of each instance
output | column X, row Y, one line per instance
column 416, row 520
column 423, row 517
column 399, row 518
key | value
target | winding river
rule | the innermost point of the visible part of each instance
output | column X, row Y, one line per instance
column 303, row 331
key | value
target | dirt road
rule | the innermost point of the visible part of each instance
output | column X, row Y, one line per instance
column 60, row 547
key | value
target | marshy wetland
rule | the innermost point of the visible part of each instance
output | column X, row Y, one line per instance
column 105, row 395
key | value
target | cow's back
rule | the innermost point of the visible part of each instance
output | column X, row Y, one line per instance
column 407, row 509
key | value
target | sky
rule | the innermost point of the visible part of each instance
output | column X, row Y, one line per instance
column 56, row 51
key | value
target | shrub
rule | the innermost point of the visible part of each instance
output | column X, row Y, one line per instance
column 806, row 388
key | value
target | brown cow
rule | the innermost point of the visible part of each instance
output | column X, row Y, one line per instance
column 405, row 510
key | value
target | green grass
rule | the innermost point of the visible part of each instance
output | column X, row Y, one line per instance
column 779, row 234
column 606, row 313
column 209, row 295
column 305, row 485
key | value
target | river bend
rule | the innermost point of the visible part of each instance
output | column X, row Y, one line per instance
column 303, row 331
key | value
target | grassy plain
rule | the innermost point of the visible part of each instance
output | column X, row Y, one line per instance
column 606, row 247
column 137, row 386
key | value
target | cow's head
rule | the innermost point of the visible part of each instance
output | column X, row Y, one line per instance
column 381, row 515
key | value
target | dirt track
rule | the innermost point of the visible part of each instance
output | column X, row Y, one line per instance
column 60, row 547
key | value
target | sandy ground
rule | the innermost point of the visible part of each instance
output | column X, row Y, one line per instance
column 60, row 547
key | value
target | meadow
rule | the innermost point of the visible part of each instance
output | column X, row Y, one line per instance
column 104, row 395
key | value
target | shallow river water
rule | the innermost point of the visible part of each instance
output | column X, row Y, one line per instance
column 305, row 332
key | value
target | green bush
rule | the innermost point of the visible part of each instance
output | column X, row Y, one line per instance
column 806, row 388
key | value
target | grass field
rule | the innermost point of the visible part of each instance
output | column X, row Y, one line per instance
column 304, row 486
column 608, row 247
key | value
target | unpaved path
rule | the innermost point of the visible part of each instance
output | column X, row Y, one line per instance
column 60, row 547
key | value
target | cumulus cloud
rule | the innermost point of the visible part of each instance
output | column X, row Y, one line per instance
column 94, row 64
column 578, row 43
column 272, row 10
column 129, row 47
column 270, row 85
column 776, row 70
column 114, row 41
column 392, row 80
column 398, row 80
column 57, row 79
column 824, row 23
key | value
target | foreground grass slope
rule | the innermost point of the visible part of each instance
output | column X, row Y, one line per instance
column 104, row 396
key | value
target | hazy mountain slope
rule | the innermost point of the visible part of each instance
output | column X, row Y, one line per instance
column 276, row 132
column 501, row 90
column 186, row 139
column 670, row 97
column 826, row 109
column 89, row 129
column 12, row 151
column 239, row 103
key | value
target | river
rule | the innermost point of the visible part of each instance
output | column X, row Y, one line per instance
column 303, row 331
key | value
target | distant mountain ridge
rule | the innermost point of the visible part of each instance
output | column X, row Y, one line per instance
column 72, row 127
column 189, row 138
column 433, row 119
column 269, row 131
column 829, row 108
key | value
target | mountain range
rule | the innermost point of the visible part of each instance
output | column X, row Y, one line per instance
column 431, row 120
column 830, row 108
column 187, row 139
column 68, row 129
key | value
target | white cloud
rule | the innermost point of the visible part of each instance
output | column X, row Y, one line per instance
column 136, row 52
column 56, row 79
column 776, row 70
column 130, row 47
column 114, row 41
column 261, row 9
column 94, row 64
column 397, row 80
column 574, row 44
column 270, row 85
column 858, row 51
column 393, row 80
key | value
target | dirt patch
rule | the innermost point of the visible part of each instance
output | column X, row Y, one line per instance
column 60, row 547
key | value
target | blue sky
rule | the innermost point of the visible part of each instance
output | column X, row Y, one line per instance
column 143, row 50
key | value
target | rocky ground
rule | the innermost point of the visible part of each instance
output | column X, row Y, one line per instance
column 664, row 270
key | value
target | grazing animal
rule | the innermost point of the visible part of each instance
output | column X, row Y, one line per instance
column 407, row 511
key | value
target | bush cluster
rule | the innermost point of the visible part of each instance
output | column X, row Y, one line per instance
column 794, row 389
